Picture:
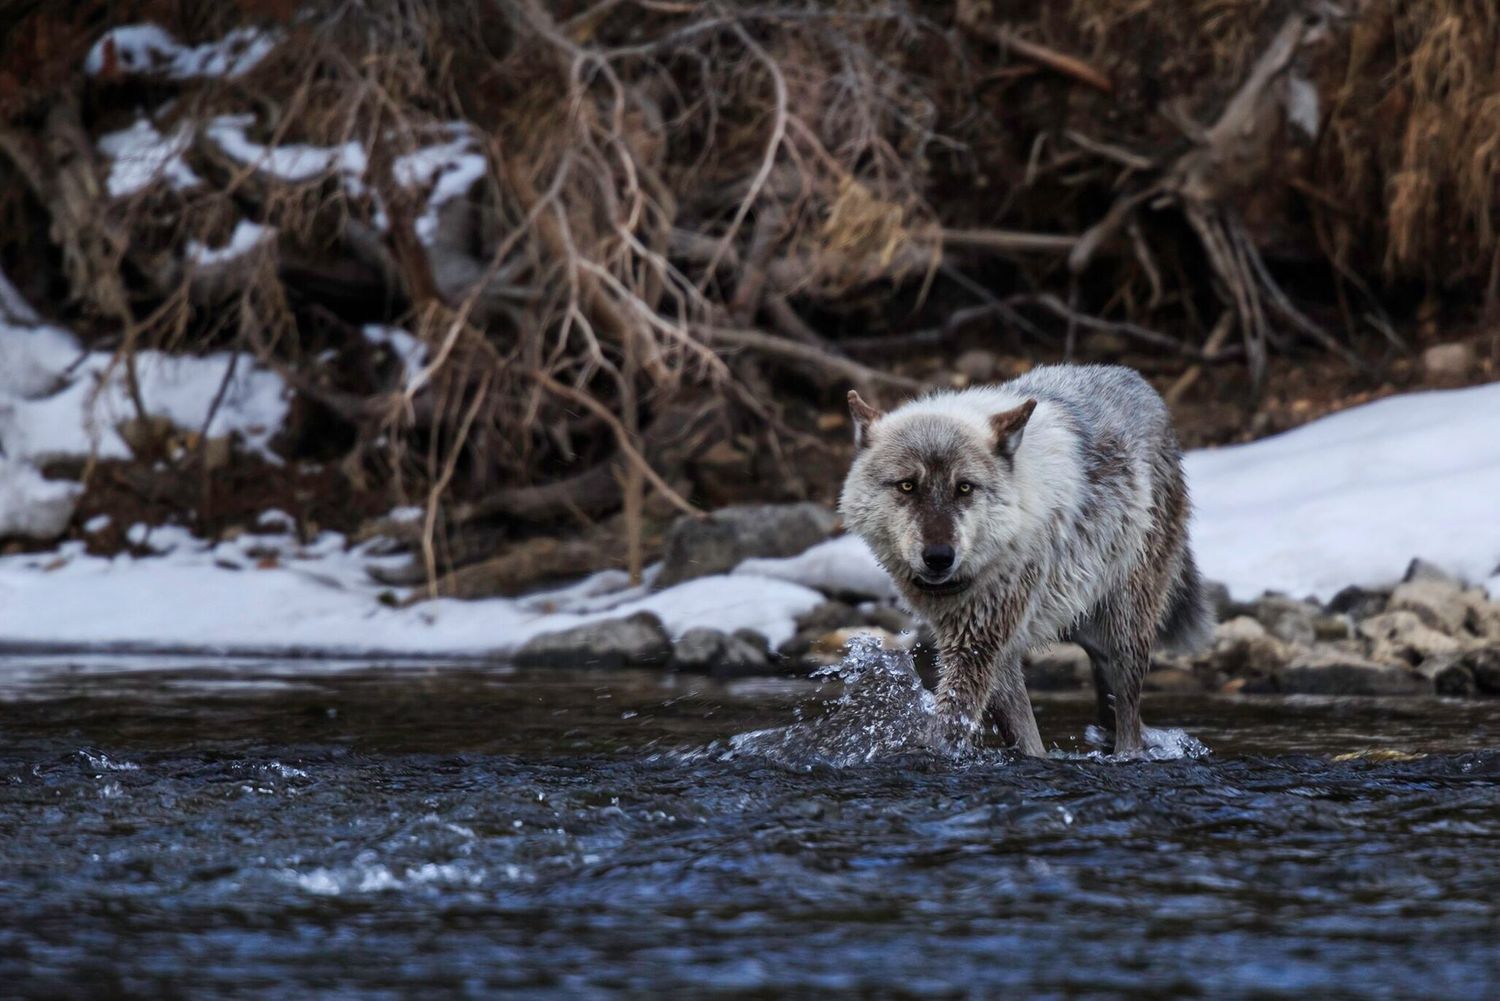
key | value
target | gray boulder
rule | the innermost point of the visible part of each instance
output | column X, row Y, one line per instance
column 716, row 544
column 1329, row 672
column 1485, row 664
column 1288, row 619
column 708, row 651
column 638, row 641
column 1358, row 602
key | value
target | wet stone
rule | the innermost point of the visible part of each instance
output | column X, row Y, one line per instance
column 1440, row 605
column 716, row 544
column 1449, row 675
column 828, row 616
column 1327, row 672
column 637, row 641
column 708, row 651
column 1358, row 602
column 1485, row 663
column 1288, row 619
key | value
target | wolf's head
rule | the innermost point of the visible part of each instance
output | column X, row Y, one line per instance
column 933, row 490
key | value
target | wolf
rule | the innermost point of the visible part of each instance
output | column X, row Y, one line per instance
column 1049, row 507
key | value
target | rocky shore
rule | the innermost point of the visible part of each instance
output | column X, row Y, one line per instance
column 1430, row 634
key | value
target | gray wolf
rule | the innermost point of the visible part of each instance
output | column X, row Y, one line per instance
column 1010, row 516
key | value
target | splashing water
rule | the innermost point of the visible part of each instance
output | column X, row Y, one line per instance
column 1158, row 744
column 884, row 710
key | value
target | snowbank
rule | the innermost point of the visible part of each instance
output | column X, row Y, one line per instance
column 1351, row 498
column 262, row 593
column 58, row 401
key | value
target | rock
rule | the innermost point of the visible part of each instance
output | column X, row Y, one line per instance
column 1060, row 667
column 1287, row 619
column 828, row 616
column 1242, row 646
column 1449, row 362
column 976, row 365
column 1485, row 665
column 1331, row 628
column 1172, row 680
column 1358, row 602
column 708, row 651
column 1441, row 605
column 638, row 641
column 1449, row 675
column 716, row 544
column 1218, row 600
column 756, row 640
column 1420, row 569
column 1326, row 672
column 1402, row 634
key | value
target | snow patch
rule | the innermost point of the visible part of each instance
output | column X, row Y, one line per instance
column 246, row 237
column 409, row 350
column 140, row 155
column 292, row 161
column 58, row 401
column 32, row 507
column 1351, row 498
column 150, row 50
column 449, row 169
column 844, row 564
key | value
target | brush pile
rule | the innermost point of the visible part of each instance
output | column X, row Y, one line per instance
column 535, row 263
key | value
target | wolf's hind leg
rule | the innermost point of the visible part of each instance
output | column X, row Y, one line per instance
column 1104, row 695
column 1118, row 642
column 1012, row 707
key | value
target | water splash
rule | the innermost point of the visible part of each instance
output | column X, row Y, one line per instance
column 1158, row 744
column 883, row 711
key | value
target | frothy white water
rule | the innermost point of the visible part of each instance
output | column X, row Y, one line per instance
column 883, row 710
column 1159, row 744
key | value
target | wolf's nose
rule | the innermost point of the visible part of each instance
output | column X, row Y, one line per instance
column 937, row 557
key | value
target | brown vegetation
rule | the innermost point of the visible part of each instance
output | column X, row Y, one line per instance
column 698, row 223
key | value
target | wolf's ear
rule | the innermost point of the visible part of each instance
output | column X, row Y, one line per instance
column 864, row 415
column 1008, row 427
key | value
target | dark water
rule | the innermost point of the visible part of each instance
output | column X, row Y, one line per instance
column 169, row 830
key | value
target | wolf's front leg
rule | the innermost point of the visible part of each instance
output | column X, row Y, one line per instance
column 970, row 680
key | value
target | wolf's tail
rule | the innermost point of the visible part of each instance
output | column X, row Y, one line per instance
column 1187, row 623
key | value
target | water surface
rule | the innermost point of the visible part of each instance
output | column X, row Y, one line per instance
column 170, row 828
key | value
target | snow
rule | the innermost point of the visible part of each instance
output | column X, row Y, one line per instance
column 450, row 169
column 409, row 350
column 319, row 597
column 842, row 564
column 58, row 401
column 291, row 161
column 140, row 155
column 31, row 506
column 1351, row 498
column 150, row 50
column 246, row 237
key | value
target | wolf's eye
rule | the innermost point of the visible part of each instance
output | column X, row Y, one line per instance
column 966, row 487
column 906, row 486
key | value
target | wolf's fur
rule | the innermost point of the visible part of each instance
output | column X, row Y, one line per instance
column 1073, row 525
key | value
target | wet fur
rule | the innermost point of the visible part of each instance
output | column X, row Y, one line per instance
column 1075, row 527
